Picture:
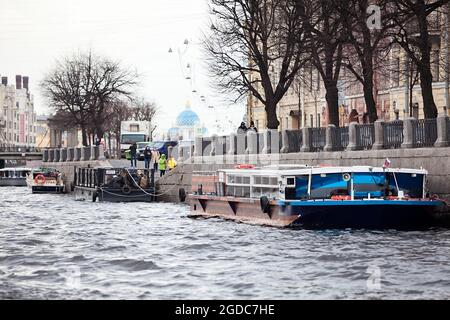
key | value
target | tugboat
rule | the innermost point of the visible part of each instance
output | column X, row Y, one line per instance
column 46, row 180
column 114, row 184
column 16, row 177
column 317, row 197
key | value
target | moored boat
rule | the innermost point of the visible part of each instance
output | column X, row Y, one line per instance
column 114, row 185
column 46, row 180
column 14, row 176
column 317, row 197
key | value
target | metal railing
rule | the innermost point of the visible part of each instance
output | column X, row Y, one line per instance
column 365, row 136
column 86, row 177
column 222, row 144
column 424, row 133
column 339, row 138
column 206, row 146
column 295, row 138
column 392, row 134
column 317, row 139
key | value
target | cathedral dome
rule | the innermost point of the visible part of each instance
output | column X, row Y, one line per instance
column 187, row 118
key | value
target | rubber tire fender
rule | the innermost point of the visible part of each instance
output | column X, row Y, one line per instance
column 182, row 194
column 265, row 204
column 126, row 189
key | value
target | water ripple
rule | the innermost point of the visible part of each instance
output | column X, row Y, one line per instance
column 54, row 247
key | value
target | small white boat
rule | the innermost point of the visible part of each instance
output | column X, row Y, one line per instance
column 46, row 180
column 14, row 176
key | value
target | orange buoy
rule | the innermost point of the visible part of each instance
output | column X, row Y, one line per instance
column 244, row 166
column 340, row 197
column 39, row 179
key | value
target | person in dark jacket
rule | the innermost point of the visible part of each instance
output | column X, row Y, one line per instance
column 133, row 150
column 252, row 127
column 242, row 128
column 147, row 156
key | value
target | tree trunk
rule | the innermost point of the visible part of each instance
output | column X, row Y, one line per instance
column 271, row 111
column 426, row 77
column 84, row 136
column 99, row 131
column 369, row 99
column 332, row 98
column 426, row 84
column 109, row 145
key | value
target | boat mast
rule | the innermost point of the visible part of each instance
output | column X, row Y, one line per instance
column 352, row 191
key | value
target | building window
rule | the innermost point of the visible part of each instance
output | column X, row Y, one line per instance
column 435, row 65
column 397, row 72
column 311, row 118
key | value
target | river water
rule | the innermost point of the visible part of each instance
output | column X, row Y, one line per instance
column 53, row 247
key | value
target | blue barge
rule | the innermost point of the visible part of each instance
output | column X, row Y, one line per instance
column 317, row 197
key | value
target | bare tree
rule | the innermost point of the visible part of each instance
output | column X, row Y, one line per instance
column 116, row 111
column 83, row 85
column 64, row 87
column 109, row 82
column 257, row 47
column 145, row 111
column 325, row 28
column 413, row 35
column 366, row 47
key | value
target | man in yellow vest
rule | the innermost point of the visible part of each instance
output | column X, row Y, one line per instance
column 171, row 163
column 162, row 165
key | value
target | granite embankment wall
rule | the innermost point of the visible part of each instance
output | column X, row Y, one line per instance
column 435, row 160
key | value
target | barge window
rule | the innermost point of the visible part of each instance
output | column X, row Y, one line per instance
column 301, row 186
column 325, row 185
column 261, row 191
column 241, row 180
column 238, row 191
column 411, row 184
column 368, row 182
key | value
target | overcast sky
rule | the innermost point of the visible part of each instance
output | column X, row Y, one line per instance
column 139, row 33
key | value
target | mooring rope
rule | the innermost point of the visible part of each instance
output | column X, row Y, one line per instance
column 137, row 185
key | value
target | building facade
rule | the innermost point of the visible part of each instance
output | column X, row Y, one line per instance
column 397, row 96
column 17, row 116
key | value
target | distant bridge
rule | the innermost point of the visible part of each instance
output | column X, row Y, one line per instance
column 19, row 153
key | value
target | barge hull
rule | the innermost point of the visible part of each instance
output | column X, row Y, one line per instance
column 408, row 215
column 47, row 189
column 113, row 195
column 5, row 182
column 238, row 209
